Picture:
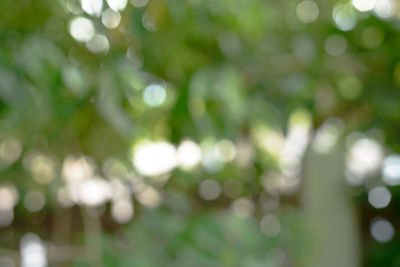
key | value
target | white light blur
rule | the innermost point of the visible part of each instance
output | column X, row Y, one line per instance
column 364, row 5
column 120, row 190
column 344, row 17
column 154, row 95
column 296, row 143
column 379, row 197
column 335, row 45
column 98, row 44
column 8, row 199
column 367, row 152
column 327, row 136
column 33, row 251
column 148, row 196
column 384, row 9
column 209, row 189
column 210, row 160
column 68, row 195
column 270, row 225
column 364, row 158
column 64, row 197
column 117, row 5
column 225, row 150
column 8, row 196
column 189, row 154
column 81, row 29
column 41, row 167
column 34, row 200
column 76, row 169
column 6, row 217
column 307, row 11
column 122, row 210
column 154, row 158
column 275, row 183
column 391, row 170
column 110, row 18
column 242, row 207
column 94, row 192
column 245, row 153
column 382, row 230
column 92, row 7
column 139, row 3
column 10, row 150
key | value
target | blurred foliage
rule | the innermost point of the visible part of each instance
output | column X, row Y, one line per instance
column 231, row 70
column 207, row 239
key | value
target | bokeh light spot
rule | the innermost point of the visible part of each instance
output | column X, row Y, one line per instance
column 382, row 230
column 242, row 207
column 156, row 158
column 81, row 29
column 270, row 225
column 209, row 189
column 189, row 154
column 391, row 170
column 110, row 18
column 98, row 44
column 379, row 197
column 307, row 11
column 385, row 9
column 92, row 7
column 34, row 200
column 154, row 95
column 364, row 5
column 117, row 5
column 33, row 251
column 344, row 17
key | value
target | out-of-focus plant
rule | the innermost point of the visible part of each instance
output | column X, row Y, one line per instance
column 117, row 108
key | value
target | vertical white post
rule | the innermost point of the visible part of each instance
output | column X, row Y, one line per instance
column 329, row 210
